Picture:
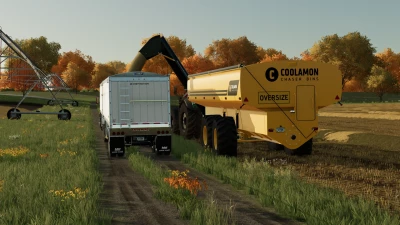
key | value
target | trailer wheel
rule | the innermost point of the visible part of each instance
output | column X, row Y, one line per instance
column 305, row 149
column 50, row 102
column 75, row 103
column 12, row 116
column 66, row 116
column 206, row 134
column 224, row 141
column 272, row 146
column 175, row 119
column 189, row 121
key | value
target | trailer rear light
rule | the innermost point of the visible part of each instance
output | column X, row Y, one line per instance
column 245, row 99
column 315, row 128
column 270, row 130
column 118, row 133
column 162, row 132
column 122, row 133
column 167, row 132
column 158, row 132
column 113, row 133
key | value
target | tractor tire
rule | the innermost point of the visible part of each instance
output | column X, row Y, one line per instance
column 206, row 130
column 189, row 122
column 305, row 149
column 175, row 119
column 224, row 140
column 272, row 146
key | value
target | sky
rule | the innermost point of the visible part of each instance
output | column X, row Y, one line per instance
column 113, row 29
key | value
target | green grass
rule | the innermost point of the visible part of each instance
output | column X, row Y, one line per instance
column 83, row 98
column 367, row 97
column 71, row 162
column 283, row 190
column 199, row 212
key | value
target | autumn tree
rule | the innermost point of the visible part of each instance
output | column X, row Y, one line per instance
column 84, row 62
column 103, row 70
column 380, row 81
column 390, row 61
column 306, row 56
column 275, row 56
column 74, row 76
column 228, row 52
column 42, row 53
column 117, row 66
column 352, row 53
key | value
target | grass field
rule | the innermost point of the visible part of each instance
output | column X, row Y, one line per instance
column 356, row 155
column 49, row 170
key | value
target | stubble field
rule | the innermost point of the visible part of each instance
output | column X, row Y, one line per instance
column 354, row 152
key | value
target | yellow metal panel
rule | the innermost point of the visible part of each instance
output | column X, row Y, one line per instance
column 305, row 103
column 275, row 100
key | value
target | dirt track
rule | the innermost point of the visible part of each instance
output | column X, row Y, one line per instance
column 247, row 210
column 127, row 195
column 129, row 198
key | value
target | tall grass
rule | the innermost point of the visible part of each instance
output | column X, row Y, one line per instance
column 188, row 205
column 49, row 170
column 283, row 189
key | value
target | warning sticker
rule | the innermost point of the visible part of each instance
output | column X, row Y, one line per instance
column 279, row 97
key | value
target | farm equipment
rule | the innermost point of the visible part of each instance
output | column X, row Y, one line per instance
column 135, row 110
column 39, row 78
column 273, row 101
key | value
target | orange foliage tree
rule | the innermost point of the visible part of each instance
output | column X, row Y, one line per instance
column 84, row 62
column 391, row 62
column 20, row 74
column 306, row 56
column 274, row 57
column 228, row 52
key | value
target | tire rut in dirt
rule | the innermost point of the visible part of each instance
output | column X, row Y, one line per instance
column 247, row 209
column 126, row 195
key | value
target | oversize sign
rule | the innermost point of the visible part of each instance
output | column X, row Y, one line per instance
column 272, row 97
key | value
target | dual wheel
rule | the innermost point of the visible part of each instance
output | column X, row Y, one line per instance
column 219, row 134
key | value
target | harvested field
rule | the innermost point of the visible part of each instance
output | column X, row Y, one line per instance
column 359, row 156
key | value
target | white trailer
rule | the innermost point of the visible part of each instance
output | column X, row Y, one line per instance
column 135, row 109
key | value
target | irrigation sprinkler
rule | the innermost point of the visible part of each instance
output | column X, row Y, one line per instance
column 42, row 79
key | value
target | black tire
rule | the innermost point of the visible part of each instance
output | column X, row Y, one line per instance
column 224, row 136
column 189, row 122
column 175, row 119
column 50, row 102
column 17, row 116
column 272, row 146
column 206, row 130
column 305, row 149
column 66, row 116
column 75, row 103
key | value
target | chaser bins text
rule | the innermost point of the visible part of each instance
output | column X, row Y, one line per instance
column 299, row 74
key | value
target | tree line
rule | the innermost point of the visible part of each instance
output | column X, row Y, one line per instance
column 363, row 69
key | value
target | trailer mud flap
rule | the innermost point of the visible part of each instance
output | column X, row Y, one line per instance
column 117, row 145
column 162, row 143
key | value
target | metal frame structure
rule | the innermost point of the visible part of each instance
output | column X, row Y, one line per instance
column 39, row 78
